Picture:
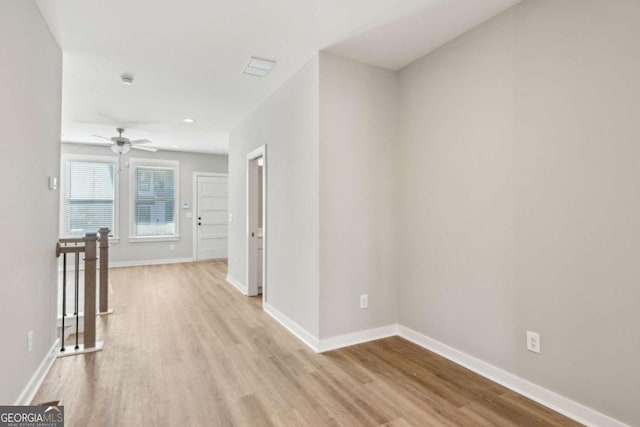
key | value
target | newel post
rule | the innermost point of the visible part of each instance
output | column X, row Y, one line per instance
column 90, row 243
column 104, row 270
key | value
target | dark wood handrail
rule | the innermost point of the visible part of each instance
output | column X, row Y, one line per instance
column 71, row 240
column 68, row 249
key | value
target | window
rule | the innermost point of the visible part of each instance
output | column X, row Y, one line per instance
column 154, row 198
column 89, row 196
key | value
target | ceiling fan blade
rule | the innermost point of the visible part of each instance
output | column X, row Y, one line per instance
column 102, row 137
column 140, row 141
column 92, row 144
column 136, row 147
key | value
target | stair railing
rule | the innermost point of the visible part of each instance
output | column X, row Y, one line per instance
column 88, row 246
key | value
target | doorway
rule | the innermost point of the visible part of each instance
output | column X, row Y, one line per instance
column 256, row 223
column 211, row 225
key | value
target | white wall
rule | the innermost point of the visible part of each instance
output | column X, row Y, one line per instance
column 129, row 252
column 519, row 159
column 287, row 123
column 31, row 75
column 358, row 196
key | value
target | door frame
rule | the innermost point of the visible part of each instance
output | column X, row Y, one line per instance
column 253, row 155
column 194, row 207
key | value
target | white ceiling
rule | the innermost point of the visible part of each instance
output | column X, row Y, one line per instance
column 397, row 43
column 187, row 57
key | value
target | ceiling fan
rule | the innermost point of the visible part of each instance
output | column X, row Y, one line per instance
column 120, row 145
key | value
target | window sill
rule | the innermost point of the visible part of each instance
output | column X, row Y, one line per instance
column 148, row 239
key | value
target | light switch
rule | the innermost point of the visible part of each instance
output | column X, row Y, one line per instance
column 230, row 217
column 53, row 183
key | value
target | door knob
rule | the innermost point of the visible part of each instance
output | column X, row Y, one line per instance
column 199, row 218
column 199, row 223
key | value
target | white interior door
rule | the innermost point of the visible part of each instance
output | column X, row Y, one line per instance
column 256, row 223
column 259, row 228
column 212, row 217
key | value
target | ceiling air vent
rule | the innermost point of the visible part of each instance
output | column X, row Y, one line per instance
column 258, row 67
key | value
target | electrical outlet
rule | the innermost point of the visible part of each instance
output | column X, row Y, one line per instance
column 172, row 247
column 364, row 301
column 533, row 341
column 30, row 341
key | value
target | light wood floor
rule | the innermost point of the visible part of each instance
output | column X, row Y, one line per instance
column 184, row 348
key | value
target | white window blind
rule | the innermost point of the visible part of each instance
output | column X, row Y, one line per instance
column 154, row 212
column 89, row 197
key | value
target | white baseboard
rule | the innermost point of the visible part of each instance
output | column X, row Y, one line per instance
column 291, row 326
column 332, row 343
column 237, row 284
column 149, row 262
column 30, row 390
column 548, row 398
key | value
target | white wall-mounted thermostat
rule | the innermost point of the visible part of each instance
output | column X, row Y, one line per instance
column 185, row 205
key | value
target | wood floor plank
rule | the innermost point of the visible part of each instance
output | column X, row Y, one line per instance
column 183, row 347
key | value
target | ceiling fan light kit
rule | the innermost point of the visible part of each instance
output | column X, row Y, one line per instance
column 120, row 148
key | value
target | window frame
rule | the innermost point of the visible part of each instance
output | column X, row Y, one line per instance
column 134, row 164
column 68, row 157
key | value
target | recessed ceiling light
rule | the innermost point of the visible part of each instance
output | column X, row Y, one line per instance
column 126, row 79
column 258, row 67
column 188, row 120
column 175, row 146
